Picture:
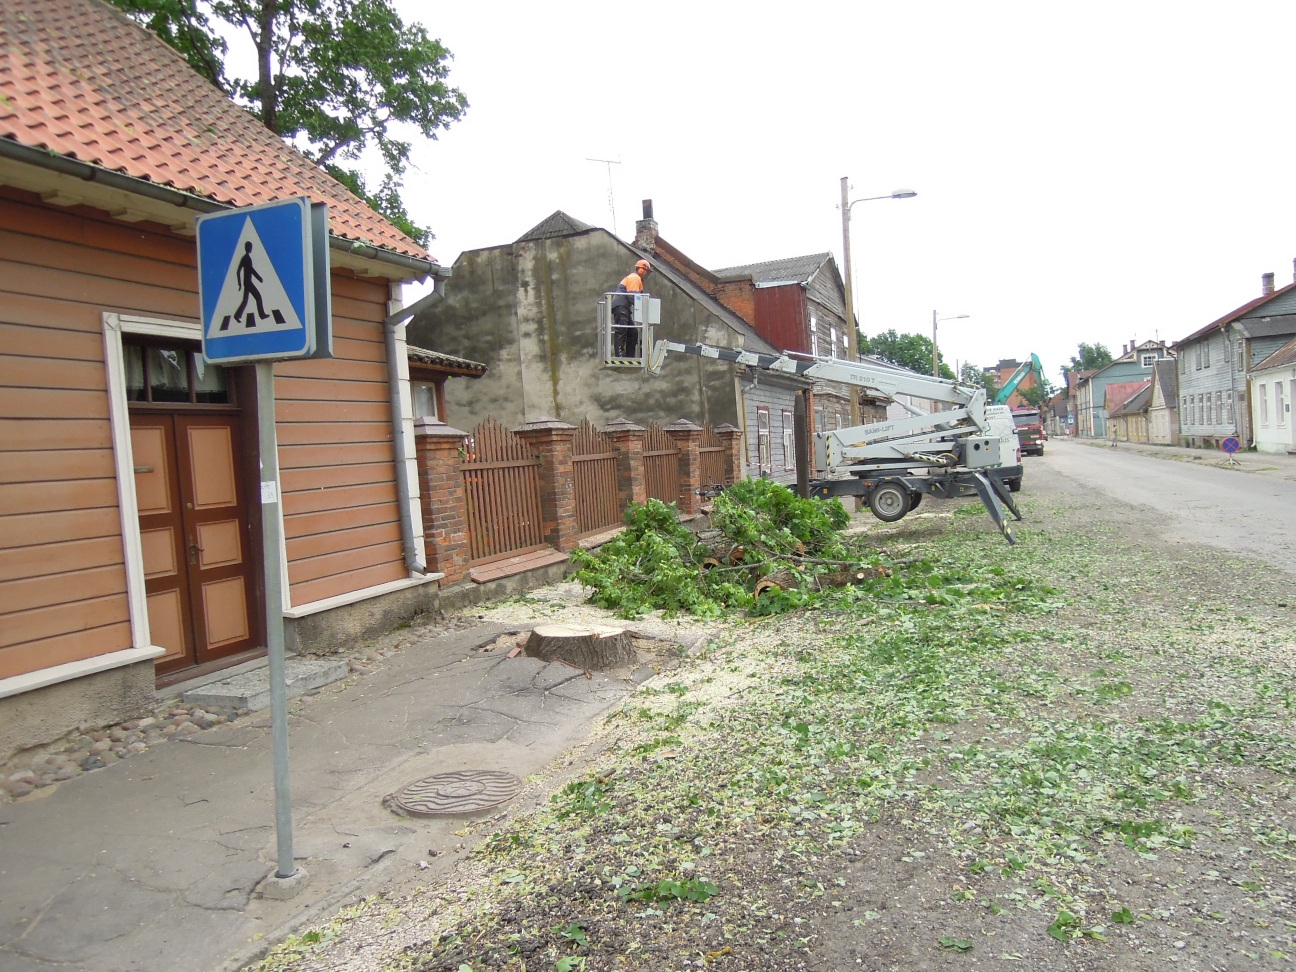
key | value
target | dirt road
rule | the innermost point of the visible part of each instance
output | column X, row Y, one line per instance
column 1078, row 753
column 1242, row 512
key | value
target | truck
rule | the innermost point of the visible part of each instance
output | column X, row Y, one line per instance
column 1030, row 430
column 966, row 448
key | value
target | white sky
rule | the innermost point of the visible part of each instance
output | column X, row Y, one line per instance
column 1097, row 172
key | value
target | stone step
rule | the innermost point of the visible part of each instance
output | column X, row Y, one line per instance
column 251, row 690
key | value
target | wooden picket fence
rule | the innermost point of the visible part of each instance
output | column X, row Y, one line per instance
column 502, row 494
column 712, row 458
column 661, row 465
column 594, row 480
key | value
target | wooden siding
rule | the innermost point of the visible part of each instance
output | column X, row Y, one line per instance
column 62, row 571
column 781, row 317
column 336, row 461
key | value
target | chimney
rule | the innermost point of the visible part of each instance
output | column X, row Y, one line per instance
column 1266, row 284
column 646, row 229
column 1294, row 271
column 1124, row 350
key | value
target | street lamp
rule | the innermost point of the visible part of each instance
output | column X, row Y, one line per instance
column 846, row 205
column 935, row 353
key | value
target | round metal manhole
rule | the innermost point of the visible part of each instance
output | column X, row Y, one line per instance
column 460, row 792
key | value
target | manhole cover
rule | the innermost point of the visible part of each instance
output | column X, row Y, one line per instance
column 464, row 791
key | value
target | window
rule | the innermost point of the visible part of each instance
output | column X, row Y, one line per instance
column 1219, row 408
column 425, row 399
column 789, row 441
column 1206, row 353
column 1148, row 359
column 1229, row 398
column 1264, row 404
column 1198, row 357
column 821, row 420
column 1241, row 357
column 833, row 350
column 173, row 375
column 1183, row 409
column 763, row 458
column 1210, row 409
column 814, row 339
column 1280, row 413
column 838, row 419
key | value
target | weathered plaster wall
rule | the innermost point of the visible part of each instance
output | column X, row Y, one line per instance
column 528, row 311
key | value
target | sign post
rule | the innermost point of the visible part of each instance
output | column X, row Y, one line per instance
column 1231, row 445
column 264, row 290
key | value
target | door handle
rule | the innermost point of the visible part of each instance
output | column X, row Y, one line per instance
column 194, row 550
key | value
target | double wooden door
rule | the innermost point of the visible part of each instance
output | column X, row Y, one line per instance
column 198, row 569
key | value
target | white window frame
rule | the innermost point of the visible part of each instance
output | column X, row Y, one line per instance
column 1148, row 359
column 833, row 352
column 1280, row 411
column 1206, row 353
column 789, row 441
column 1198, row 356
column 1263, row 398
column 764, row 456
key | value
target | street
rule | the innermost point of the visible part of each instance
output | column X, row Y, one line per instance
column 1245, row 513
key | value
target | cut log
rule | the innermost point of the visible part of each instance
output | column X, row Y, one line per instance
column 593, row 647
column 780, row 580
column 840, row 578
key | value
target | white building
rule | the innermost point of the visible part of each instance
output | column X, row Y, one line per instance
column 1273, row 385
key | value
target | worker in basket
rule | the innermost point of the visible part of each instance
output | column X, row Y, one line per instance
column 625, row 335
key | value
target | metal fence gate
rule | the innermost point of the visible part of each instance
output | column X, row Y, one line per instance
column 661, row 465
column 502, row 493
column 712, row 458
column 594, row 480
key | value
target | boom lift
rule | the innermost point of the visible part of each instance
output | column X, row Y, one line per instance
column 896, row 462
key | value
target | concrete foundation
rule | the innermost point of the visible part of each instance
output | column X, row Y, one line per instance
column 343, row 628
column 468, row 593
column 44, row 714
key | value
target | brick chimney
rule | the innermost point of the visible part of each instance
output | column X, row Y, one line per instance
column 1266, row 284
column 1294, row 271
column 646, row 230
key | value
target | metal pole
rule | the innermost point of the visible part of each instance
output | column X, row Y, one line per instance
column 274, row 614
column 935, row 355
column 850, row 305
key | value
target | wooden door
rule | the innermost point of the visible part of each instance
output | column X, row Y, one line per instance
column 194, row 530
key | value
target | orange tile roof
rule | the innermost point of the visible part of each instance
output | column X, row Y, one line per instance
column 78, row 78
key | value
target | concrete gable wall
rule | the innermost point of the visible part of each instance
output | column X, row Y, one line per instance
column 528, row 310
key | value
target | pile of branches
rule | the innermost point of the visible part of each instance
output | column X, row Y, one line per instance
column 769, row 551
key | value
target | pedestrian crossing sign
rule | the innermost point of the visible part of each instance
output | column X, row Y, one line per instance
column 257, row 281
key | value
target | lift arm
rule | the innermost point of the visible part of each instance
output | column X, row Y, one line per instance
column 1018, row 376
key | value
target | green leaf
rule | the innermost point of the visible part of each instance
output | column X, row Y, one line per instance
column 1063, row 926
column 956, row 944
column 575, row 933
column 1123, row 917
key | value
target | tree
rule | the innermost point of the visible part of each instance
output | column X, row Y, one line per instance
column 912, row 351
column 336, row 77
column 1092, row 357
column 973, row 375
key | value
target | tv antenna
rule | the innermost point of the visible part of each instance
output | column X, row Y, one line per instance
column 611, row 201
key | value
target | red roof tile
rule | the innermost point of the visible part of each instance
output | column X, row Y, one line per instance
column 1120, row 392
column 79, row 78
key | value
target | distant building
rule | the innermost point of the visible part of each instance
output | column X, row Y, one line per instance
column 1127, row 411
column 1214, row 363
column 1273, row 385
column 1003, row 371
column 1163, row 406
column 1133, row 367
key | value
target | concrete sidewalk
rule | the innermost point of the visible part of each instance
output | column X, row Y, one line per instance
column 1279, row 465
column 152, row 863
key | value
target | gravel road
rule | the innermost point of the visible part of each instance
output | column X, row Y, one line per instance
column 1243, row 513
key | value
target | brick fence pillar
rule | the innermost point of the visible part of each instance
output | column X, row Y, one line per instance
column 551, row 441
column 688, row 436
column 441, row 494
column 733, row 457
column 628, row 440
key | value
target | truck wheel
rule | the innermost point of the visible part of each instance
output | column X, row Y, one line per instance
column 1014, row 485
column 889, row 502
column 914, row 499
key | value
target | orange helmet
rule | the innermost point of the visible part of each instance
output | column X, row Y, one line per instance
column 643, row 265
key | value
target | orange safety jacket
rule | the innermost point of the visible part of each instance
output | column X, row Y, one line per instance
column 632, row 284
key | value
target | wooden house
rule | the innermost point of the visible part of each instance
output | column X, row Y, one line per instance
column 129, row 513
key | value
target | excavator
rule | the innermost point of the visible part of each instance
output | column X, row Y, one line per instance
column 968, row 449
column 1029, row 423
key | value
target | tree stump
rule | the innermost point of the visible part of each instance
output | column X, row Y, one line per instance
column 594, row 647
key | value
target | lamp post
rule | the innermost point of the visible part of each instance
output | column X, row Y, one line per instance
column 935, row 352
column 851, row 328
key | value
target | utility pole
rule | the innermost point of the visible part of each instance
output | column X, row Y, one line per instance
column 611, row 201
column 935, row 353
column 851, row 327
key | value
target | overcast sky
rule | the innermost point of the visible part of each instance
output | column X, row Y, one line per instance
column 1085, row 172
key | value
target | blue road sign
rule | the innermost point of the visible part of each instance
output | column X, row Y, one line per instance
column 256, row 286
column 1231, row 445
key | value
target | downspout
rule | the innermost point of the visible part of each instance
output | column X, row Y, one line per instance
column 403, row 491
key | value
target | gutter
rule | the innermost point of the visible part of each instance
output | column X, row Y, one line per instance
column 53, row 162
column 403, row 493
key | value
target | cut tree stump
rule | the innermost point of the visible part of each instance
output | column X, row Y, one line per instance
column 593, row 647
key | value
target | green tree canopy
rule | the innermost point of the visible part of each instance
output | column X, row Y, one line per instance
column 971, row 374
column 335, row 77
column 912, row 351
column 1091, row 357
